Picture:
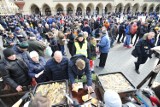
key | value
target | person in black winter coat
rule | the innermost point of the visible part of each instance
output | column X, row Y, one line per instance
column 21, row 51
column 14, row 71
column 70, row 37
column 143, row 49
column 121, row 32
column 143, row 30
column 87, row 28
column 138, row 31
column 56, row 68
column 79, row 66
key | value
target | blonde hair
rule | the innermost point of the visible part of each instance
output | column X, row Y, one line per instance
column 93, row 41
column 80, row 64
column 85, row 34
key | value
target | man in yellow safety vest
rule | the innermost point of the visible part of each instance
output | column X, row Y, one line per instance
column 81, row 46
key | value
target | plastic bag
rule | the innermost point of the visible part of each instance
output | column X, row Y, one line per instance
column 48, row 51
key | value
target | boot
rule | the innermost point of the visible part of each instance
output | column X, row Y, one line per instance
column 136, row 68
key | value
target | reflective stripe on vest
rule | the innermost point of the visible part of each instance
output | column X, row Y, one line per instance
column 82, row 50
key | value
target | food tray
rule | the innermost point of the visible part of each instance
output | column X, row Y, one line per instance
column 63, row 103
column 101, row 84
column 77, row 96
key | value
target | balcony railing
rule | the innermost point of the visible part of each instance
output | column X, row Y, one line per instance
column 79, row 0
column 151, row 0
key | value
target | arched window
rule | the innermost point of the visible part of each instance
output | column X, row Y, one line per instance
column 151, row 9
column 59, row 10
column 157, row 9
column 106, row 10
column 69, row 10
column 128, row 9
column 144, row 9
column 88, row 11
column 97, row 10
column 37, row 10
column 48, row 11
column 79, row 11
column 120, row 9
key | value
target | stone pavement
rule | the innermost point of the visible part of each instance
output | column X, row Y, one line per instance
column 121, row 60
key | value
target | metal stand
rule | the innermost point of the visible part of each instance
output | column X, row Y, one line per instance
column 152, row 75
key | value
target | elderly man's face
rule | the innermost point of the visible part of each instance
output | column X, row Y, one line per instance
column 58, row 58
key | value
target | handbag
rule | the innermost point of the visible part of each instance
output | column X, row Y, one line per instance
column 134, row 53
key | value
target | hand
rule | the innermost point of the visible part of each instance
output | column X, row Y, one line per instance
column 90, row 89
column 19, row 88
column 11, row 44
column 73, row 85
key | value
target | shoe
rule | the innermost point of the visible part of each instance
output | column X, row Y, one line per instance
column 125, row 45
column 92, row 72
column 137, row 71
column 98, row 66
column 129, row 46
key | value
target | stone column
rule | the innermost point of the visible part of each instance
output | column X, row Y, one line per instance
column 53, row 11
column 84, row 11
column 154, row 9
column 113, row 9
column 140, row 9
column 40, row 10
column 94, row 12
column 147, row 10
column 65, row 10
column 74, row 12
column 103, row 12
column 131, row 10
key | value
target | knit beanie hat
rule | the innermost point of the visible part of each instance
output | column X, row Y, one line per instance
column 33, row 54
column 80, row 34
column 8, row 52
column 17, row 28
column 24, row 45
column 112, row 99
column 80, row 64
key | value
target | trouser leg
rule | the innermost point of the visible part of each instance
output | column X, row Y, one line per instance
column 103, row 58
column 140, row 60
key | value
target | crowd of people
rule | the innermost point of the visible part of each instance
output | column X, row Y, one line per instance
column 27, row 38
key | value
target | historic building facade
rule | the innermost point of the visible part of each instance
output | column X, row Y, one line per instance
column 8, row 7
column 86, row 7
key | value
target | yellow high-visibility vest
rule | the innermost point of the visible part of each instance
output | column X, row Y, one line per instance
column 82, row 50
